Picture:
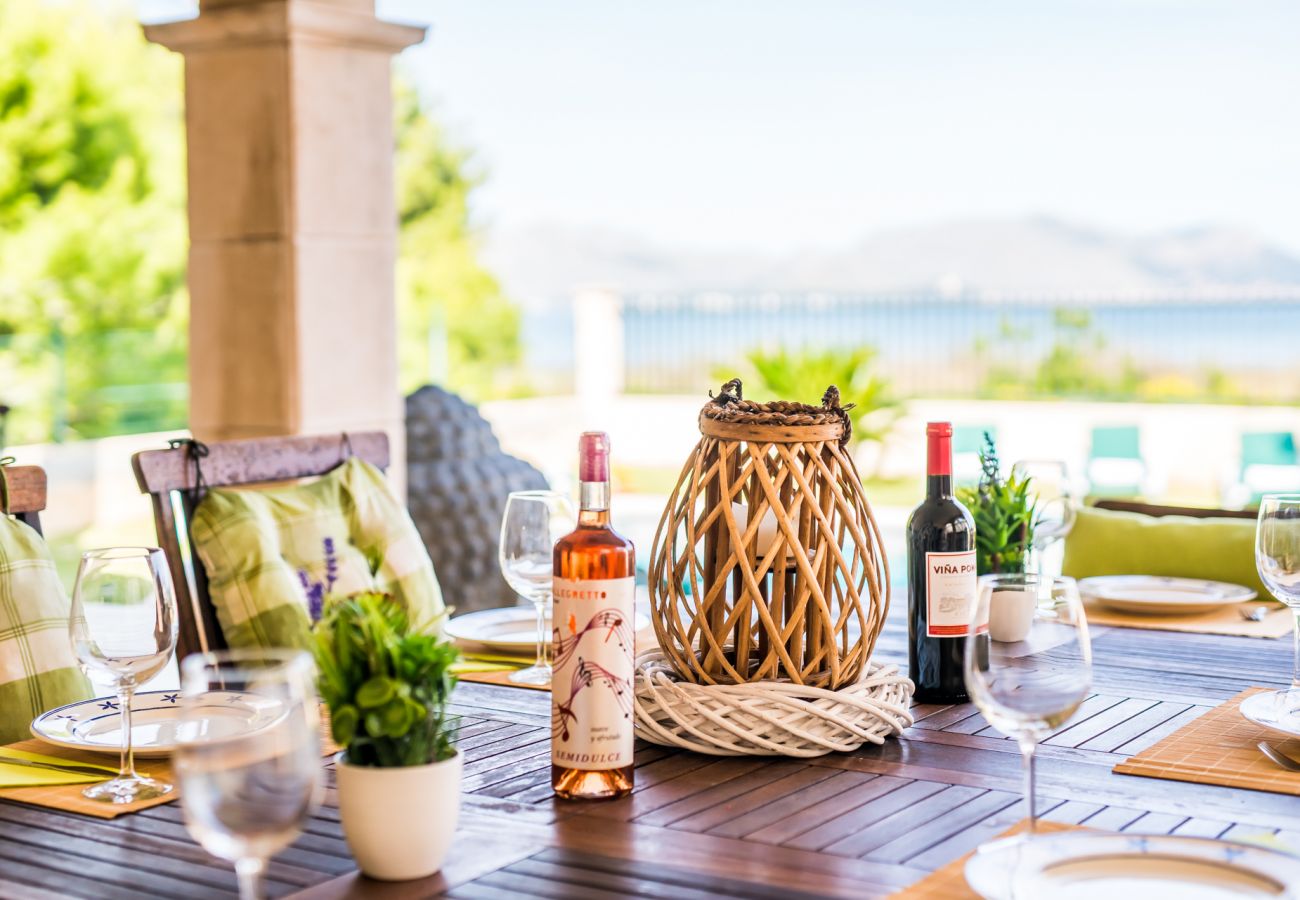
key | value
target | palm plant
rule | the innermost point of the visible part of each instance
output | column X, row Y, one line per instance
column 805, row 375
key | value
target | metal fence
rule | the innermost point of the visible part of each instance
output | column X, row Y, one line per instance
column 1155, row 348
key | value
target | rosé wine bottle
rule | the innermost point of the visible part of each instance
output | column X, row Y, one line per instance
column 594, row 643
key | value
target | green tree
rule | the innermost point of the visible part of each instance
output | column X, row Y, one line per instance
column 92, row 224
column 448, row 304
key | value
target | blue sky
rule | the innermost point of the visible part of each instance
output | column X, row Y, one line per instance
column 780, row 125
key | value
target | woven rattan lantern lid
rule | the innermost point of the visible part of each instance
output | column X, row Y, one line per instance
column 804, row 603
column 730, row 417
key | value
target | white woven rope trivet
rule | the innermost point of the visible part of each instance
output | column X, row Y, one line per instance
column 767, row 718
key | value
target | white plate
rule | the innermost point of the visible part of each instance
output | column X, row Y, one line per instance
column 1158, row 595
column 96, row 725
column 1269, row 709
column 1072, row 865
column 512, row 629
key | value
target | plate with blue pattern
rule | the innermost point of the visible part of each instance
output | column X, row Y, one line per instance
column 1082, row 864
column 96, row 725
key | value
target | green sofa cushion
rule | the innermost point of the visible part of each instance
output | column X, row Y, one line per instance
column 1109, row 542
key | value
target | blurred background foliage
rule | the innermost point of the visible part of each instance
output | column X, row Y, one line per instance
column 803, row 376
column 93, row 305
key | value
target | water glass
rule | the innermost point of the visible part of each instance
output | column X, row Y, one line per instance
column 248, row 756
column 1029, row 686
column 123, row 626
column 1277, row 557
column 1055, row 506
column 533, row 522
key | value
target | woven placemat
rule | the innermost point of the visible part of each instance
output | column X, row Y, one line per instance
column 1226, row 620
column 500, row 678
column 1220, row 747
column 949, row 883
column 68, row 797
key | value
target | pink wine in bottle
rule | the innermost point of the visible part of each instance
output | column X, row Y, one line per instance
column 594, row 650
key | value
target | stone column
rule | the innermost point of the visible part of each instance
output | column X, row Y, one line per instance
column 293, row 224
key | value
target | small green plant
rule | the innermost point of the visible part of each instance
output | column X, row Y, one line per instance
column 1004, row 515
column 386, row 685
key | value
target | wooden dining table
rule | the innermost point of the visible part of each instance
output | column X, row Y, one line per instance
column 862, row 824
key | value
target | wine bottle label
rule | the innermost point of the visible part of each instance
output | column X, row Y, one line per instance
column 949, row 593
column 591, row 681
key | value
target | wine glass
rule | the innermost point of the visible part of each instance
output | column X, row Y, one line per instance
column 1055, row 505
column 1028, row 661
column 248, row 755
column 1277, row 557
column 123, row 624
column 533, row 522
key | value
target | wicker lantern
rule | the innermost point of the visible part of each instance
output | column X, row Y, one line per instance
column 768, row 555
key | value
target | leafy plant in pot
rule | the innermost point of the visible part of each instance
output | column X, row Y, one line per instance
column 387, row 683
column 1004, row 514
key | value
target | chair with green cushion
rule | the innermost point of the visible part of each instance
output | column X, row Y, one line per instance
column 251, row 546
column 38, row 671
column 1269, row 465
column 1115, row 464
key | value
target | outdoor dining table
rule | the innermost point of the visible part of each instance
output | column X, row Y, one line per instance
column 862, row 824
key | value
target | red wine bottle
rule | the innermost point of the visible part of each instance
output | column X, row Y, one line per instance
column 594, row 633
column 940, row 578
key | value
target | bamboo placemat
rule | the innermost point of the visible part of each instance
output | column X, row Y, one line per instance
column 949, row 883
column 644, row 637
column 1219, row 747
column 67, row 797
column 1226, row 620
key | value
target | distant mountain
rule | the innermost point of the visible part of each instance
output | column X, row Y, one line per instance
column 1019, row 256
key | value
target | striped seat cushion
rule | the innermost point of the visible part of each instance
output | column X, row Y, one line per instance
column 272, row 554
column 37, row 668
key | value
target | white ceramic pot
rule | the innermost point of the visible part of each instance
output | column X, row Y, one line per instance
column 1011, row 614
column 399, row 822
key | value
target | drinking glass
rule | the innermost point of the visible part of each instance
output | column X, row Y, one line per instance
column 248, row 755
column 1277, row 557
column 123, row 624
column 1055, row 509
column 533, row 522
column 1028, row 660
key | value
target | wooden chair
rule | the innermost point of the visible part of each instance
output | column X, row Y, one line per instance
column 177, row 478
column 1196, row 512
column 26, row 494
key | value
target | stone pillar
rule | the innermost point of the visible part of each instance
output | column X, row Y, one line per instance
column 293, row 224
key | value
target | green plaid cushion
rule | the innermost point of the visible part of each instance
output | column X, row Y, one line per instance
column 272, row 554
column 37, row 669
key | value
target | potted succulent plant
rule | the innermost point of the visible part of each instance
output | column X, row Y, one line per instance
column 1004, row 514
column 387, row 685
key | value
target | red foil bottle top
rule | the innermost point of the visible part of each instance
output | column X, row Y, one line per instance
column 593, row 456
column 938, row 439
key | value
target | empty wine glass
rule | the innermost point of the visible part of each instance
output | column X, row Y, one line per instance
column 248, row 755
column 1055, row 506
column 1277, row 557
column 123, row 624
column 533, row 522
column 1028, row 660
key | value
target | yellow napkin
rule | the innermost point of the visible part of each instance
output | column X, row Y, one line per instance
column 468, row 664
column 26, row 776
